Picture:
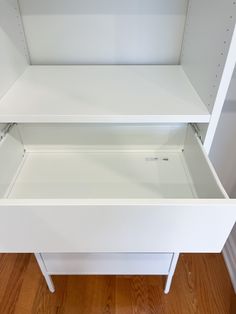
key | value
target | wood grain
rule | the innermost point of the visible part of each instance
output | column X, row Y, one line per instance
column 201, row 285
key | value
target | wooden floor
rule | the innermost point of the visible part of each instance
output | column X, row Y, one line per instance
column 201, row 285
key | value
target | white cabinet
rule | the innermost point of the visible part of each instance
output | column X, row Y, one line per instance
column 105, row 131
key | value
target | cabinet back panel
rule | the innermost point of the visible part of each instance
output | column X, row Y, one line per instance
column 12, row 50
column 104, row 32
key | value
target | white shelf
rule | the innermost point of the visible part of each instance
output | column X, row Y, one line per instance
column 116, row 94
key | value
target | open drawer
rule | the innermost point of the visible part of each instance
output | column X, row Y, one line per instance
column 110, row 188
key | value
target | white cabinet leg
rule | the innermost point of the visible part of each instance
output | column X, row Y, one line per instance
column 44, row 272
column 171, row 272
column 50, row 283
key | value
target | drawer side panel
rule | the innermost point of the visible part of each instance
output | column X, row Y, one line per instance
column 11, row 156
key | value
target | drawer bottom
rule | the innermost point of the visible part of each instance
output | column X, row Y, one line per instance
column 107, row 264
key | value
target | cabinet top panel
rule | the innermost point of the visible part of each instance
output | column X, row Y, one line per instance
column 103, row 94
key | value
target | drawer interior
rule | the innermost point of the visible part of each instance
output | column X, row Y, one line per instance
column 44, row 161
column 103, row 175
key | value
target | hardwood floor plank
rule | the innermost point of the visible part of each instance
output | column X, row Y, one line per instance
column 29, row 288
column 7, row 263
column 14, row 284
column 46, row 302
column 90, row 294
column 138, row 294
column 201, row 285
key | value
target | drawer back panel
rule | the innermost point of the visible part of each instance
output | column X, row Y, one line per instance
column 92, row 136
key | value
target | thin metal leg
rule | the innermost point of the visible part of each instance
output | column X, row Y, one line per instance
column 44, row 272
column 171, row 272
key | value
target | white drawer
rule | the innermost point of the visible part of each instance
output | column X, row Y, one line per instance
column 107, row 264
column 110, row 189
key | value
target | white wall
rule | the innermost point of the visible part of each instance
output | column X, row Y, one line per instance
column 223, row 156
column 12, row 49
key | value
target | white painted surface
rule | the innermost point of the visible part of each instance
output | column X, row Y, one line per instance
column 209, row 55
column 103, row 94
column 90, row 31
column 222, row 92
column 114, row 225
column 12, row 49
column 209, row 30
column 117, row 226
column 107, row 264
column 223, row 150
column 87, row 137
column 104, row 174
column 43, row 269
column 11, row 155
column 223, row 156
column 173, row 264
column 204, row 177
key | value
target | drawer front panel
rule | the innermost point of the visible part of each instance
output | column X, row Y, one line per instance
column 164, row 226
column 107, row 264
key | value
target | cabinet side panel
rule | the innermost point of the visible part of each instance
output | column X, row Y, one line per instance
column 13, row 51
column 208, row 35
column 223, row 149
